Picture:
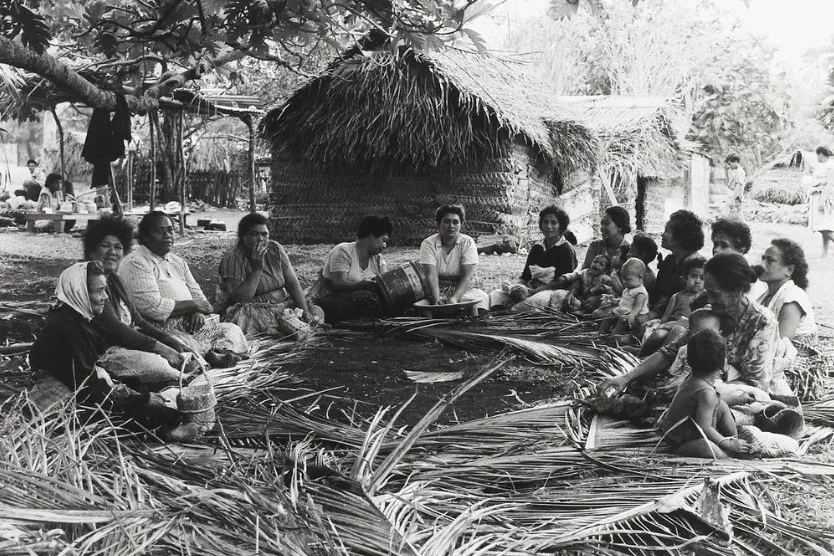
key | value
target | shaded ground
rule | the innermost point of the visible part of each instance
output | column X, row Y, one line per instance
column 371, row 370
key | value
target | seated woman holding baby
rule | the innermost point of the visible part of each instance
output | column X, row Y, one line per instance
column 751, row 331
column 548, row 259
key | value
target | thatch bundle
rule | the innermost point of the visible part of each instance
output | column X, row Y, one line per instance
column 402, row 110
column 781, row 181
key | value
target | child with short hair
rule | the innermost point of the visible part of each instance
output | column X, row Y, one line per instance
column 622, row 313
column 679, row 306
column 587, row 285
column 698, row 423
column 644, row 248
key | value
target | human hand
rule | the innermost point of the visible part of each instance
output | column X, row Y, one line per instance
column 174, row 358
column 203, row 306
column 258, row 255
column 630, row 320
column 452, row 300
column 310, row 317
column 739, row 397
column 194, row 322
column 667, row 390
column 612, row 387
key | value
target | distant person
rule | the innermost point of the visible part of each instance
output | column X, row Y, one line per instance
column 31, row 188
column 736, row 181
column 821, row 213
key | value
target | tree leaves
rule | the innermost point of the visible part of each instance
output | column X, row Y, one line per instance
column 18, row 20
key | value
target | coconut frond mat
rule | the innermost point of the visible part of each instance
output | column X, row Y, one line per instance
column 515, row 483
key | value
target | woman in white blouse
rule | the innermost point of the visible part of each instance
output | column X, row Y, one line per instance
column 346, row 288
column 785, row 273
column 450, row 259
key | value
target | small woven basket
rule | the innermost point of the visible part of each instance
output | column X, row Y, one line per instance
column 196, row 403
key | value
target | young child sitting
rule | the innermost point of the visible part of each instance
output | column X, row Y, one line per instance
column 644, row 248
column 621, row 313
column 617, row 262
column 679, row 305
column 732, row 393
column 698, row 423
column 587, row 286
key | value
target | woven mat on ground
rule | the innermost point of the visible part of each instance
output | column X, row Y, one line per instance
column 609, row 434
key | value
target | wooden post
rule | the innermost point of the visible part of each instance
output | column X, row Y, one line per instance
column 60, row 129
column 151, row 122
column 181, row 169
column 118, row 210
column 250, row 123
column 129, row 200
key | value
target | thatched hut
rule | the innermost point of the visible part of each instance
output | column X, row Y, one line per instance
column 399, row 132
column 643, row 164
column 780, row 181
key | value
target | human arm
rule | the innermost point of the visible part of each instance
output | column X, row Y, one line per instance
column 650, row 367
column 616, row 285
column 639, row 300
column 670, row 310
column 122, row 335
column 593, row 251
column 467, row 272
column 756, row 362
column 789, row 317
column 430, row 270
column 294, row 289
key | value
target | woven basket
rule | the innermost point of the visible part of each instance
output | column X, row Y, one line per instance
column 196, row 403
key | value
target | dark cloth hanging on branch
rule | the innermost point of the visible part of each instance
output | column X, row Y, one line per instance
column 106, row 138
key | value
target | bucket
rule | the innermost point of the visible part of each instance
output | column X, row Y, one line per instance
column 403, row 286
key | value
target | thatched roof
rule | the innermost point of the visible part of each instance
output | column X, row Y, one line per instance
column 638, row 134
column 398, row 108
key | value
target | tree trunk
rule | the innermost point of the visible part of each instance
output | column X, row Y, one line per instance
column 153, row 122
column 80, row 89
column 250, row 123
column 60, row 129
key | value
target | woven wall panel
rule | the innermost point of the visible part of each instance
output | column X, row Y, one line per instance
column 500, row 196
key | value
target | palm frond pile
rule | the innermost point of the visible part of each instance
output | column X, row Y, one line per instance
column 283, row 477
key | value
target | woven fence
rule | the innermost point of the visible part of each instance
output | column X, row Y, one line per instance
column 501, row 197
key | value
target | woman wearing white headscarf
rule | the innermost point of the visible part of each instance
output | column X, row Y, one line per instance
column 69, row 346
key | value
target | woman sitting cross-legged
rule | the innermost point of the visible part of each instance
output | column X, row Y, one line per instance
column 548, row 259
column 346, row 288
column 257, row 281
column 65, row 358
column 450, row 260
column 161, row 287
column 138, row 348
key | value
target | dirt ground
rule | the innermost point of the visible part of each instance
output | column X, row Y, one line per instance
column 371, row 369
column 367, row 369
